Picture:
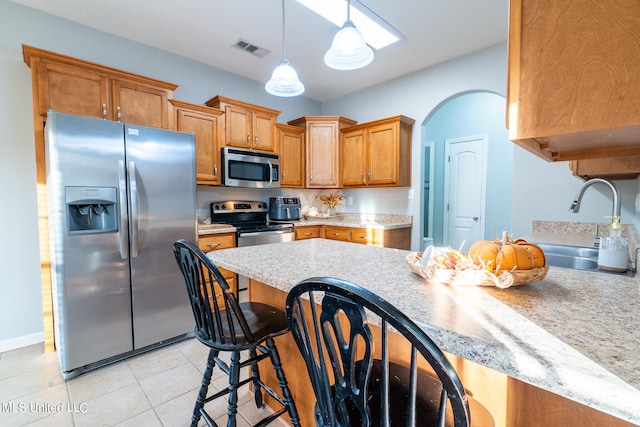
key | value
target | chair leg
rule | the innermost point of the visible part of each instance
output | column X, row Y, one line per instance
column 202, row 394
column 282, row 381
column 255, row 375
column 234, row 380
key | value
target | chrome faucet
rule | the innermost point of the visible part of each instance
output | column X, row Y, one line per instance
column 615, row 211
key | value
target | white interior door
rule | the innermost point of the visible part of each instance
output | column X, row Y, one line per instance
column 464, row 191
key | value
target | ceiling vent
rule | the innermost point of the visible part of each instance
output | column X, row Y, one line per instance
column 251, row 48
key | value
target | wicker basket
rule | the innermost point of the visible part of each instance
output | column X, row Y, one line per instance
column 472, row 276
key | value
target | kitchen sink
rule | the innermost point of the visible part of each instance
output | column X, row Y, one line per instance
column 573, row 257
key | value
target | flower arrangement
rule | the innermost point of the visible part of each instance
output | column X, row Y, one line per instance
column 330, row 200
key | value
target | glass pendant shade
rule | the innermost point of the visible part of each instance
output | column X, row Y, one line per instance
column 348, row 50
column 284, row 81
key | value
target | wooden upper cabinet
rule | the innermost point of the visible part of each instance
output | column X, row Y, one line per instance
column 573, row 86
column 247, row 125
column 291, row 140
column 609, row 168
column 73, row 86
column 377, row 153
column 204, row 122
column 322, row 145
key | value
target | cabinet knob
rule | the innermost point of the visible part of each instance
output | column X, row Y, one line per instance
column 119, row 114
column 248, row 139
column 213, row 245
column 310, row 177
column 369, row 176
column 256, row 140
column 104, row 111
column 215, row 171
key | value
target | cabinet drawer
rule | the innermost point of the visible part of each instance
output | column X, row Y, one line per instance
column 336, row 233
column 214, row 242
column 309, row 232
column 367, row 236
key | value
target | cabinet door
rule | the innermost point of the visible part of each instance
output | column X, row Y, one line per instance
column 322, row 155
column 214, row 242
column 353, row 159
column 139, row 104
column 264, row 126
column 71, row 90
column 205, row 126
column 291, row 140
column 238, row 128
column 382, row 154
column 573, row 87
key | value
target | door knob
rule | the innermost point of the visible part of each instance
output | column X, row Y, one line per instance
column 475, row 218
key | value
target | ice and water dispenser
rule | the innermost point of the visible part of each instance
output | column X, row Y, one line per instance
column 91, row 210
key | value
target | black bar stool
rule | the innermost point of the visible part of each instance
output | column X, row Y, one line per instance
column 354, row 380
column 223, row 324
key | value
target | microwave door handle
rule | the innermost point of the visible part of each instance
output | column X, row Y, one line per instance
column 270, row 173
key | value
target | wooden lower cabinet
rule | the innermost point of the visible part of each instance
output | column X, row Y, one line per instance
column 308, row 232
column 214, row 242
column 399, row 238
column 511, row 402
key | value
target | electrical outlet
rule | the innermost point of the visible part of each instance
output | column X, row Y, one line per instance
column 411, row 195
column 349, row 200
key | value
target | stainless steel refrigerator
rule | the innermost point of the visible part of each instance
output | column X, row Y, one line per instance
column 119, row 196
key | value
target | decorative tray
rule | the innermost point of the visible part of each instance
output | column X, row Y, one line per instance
column 473, row 276
column 323, row 217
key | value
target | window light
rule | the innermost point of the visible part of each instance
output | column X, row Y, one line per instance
column 376, row 31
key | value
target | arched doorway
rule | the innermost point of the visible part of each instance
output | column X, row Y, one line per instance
column 463, row 116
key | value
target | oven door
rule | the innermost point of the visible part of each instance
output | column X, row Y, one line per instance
column 264, row 237
column 253, row 169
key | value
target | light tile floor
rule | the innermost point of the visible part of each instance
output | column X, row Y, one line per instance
column 158, row 388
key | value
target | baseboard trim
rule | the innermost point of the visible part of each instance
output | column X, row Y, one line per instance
column 22, row 341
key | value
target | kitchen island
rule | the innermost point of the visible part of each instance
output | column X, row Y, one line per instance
column 564, row 348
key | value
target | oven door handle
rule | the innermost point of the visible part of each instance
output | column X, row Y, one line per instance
column 262, row 233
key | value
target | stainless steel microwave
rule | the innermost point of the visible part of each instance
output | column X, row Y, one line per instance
column 246, row 168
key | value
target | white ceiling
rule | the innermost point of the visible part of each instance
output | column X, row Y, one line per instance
column 205, row 30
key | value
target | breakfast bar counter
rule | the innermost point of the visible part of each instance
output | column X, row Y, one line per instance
column 571, row 340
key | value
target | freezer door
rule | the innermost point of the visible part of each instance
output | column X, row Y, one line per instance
column 90, row 277
column 162, row 194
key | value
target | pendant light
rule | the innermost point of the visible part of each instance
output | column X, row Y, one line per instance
column 348, row 50
column 284, row 80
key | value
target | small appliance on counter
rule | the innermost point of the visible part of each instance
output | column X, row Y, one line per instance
column 284, row 208
column 613, row 253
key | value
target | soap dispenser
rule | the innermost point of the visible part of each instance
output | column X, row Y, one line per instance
column 613, row 254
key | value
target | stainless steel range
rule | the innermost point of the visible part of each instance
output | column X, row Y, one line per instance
column 250, row 218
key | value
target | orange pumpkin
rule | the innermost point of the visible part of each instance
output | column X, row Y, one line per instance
column 507, row 255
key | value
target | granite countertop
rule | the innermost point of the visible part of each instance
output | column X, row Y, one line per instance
column 376, row 221
column 574, row 333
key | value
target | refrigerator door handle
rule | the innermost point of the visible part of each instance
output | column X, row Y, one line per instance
column 133, row 203
column 123, row 238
